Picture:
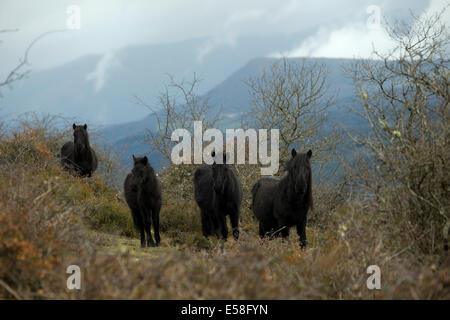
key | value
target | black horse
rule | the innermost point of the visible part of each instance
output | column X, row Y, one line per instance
column 143, row 195
column 218, row 193
column 78, row 156
column 281, row 203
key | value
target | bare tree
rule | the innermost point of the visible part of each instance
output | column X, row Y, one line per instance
column 21, row 70
column 405, row 99
column 292, row 97
column 179, row 105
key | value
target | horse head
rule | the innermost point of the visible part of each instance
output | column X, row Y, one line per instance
column 80, row 136
column 220, row 173
column 299, row 171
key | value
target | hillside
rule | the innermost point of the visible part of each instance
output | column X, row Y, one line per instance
column 232, row 97
column 50, row 220
column 107, row 83
column 357, row 206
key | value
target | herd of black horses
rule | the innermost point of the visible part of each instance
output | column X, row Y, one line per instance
column 278, row 203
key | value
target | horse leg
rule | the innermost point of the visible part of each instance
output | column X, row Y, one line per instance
column 301, row 231
column 234, row 219
column 215, row 224
column 281, row 229
column 285, row 232
column 139, row 224
column 262, row 232
column 155, row 217
column 205, row 223
column 136, row 218
column 142, row 232
column 148, row 224
column 223, row 226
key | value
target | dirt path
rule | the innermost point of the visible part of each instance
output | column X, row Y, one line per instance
column 114, row 244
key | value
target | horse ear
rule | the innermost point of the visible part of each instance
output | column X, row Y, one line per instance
column 309, row 153
column 145, row 160
column 74, row 126
column 293, row 152
column 85, row 126
column 134, row 158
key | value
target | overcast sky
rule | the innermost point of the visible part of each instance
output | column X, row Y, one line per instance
column 338, row 28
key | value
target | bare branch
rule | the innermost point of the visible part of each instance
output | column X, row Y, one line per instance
column 18, row 72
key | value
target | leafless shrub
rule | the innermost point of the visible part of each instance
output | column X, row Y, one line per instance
column 405, row 99
column 292, row 97
column 179, row 105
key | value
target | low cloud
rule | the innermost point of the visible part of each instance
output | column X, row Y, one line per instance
column 355, row 39
column 351, row 41
column 228, row 39
column 100, row 74
column 228, row 33
column 155, row 22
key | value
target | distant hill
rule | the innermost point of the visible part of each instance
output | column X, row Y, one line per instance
column 99, row 89
column 232, row 96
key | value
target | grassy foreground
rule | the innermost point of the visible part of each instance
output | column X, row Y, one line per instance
column 50, row 220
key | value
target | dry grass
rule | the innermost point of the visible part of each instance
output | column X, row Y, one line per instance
column 50, row 220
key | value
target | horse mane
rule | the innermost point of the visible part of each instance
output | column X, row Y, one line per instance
column 85, row 135
column 86, row 155
column 305, row 163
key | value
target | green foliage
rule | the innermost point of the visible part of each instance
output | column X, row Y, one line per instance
column 113, row 218
column 180, row 215
column 192, row 240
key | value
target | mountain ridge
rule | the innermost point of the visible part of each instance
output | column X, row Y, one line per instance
column 108, row 82
column 233, row 98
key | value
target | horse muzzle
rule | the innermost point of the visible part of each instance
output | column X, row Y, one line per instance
column 300, row 190
column 219, row 190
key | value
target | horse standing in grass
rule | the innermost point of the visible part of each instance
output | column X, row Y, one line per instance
column 78, row 156
column 218, row 193
column 281, row 203
column 143, row 196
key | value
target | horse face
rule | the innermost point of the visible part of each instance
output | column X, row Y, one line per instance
column 220, row 174
column 220, row 177
column 80, row 135
column 140, row 168
column 300, row 171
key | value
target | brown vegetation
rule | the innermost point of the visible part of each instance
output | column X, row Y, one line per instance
column 48, row 217
column 394, row 216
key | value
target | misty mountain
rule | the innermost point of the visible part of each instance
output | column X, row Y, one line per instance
column 232, row 97
column 100, row 89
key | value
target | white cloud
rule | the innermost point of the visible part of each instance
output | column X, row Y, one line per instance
column 100, row 74
column 436, row 6
column 212, row 43
column 243, row 16
column 109, row 25
column 228, row 34
column 353, row 40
